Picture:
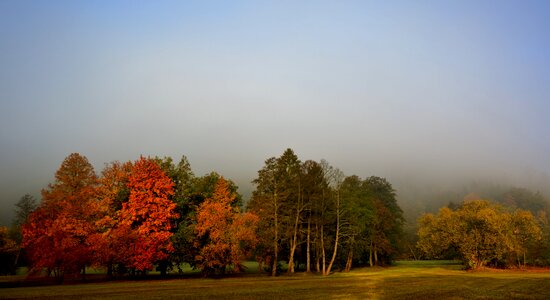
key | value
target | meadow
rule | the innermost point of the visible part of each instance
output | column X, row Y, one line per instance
column 405, row 280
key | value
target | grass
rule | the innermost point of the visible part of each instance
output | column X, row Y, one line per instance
column 405, row 280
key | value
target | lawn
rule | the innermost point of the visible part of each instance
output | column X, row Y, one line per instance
column 405, row 280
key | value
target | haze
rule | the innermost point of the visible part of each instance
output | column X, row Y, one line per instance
column 420, row 92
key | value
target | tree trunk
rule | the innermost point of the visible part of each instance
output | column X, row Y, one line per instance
column 337, row 235
column 323, row 250
column 110, row 271
column 293, row 243
column 317, row 250
column 308, row 257
column 375, row 256
column 349, row 260
column 370, row 254
column 414, row 255
column 276, row 237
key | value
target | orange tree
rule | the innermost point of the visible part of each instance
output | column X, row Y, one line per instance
column 137, row 216
column 56, row 234
column 224, row 235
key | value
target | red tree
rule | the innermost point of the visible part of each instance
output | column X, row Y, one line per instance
column 148, row 214
column 112, row 241
column 56, row 235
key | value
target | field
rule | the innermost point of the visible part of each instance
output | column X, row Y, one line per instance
column 405, row 280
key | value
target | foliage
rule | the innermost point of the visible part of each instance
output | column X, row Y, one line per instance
column 153, row 212
column 23, row 209
column 148, row 214
column 482, row 233
column 314, row 206
column 224, row 234
column 56, row 234
column 8, row 252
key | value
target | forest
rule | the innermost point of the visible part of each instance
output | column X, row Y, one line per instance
column 303, row 216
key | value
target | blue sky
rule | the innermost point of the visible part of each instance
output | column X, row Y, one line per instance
column 409, row 90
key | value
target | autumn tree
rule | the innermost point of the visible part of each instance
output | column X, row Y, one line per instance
column 525, row 233
column 112, row 241
column 56, row 234
column 185, row 197
column 481, row 232
column 148, row 214
column 225, row 235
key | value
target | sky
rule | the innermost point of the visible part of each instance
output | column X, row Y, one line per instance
column 414, row 91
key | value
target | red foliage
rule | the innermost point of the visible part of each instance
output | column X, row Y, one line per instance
column 148, row 213
column 56, row 235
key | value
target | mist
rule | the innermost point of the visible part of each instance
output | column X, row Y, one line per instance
column 429, row 95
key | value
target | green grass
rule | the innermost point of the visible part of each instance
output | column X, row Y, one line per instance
column 405, row 280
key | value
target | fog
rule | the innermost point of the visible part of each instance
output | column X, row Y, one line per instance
column 429, row 95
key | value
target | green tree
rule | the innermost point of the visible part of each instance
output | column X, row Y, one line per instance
column 358, row 213
column 23, row 209
column 266, row 203
column 314, row 187
column 290, row 173
column 387, row 222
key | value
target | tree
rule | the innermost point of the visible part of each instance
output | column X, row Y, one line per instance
column 227, row 233
column 335, row 178
column 56, row 235
column 357, row 213
column 386, row 227
column 186, row 199
column 278, row 200
column 482, row 233
column 525, row 234
column 111, row 240
column 524, row 199
column 149, row 214
column 266, row 204
column 23, row 209
column 289, row 169
column 314, row 186
column 8, row 253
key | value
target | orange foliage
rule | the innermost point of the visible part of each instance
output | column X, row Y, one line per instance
column 149, row 213
column 56, row 235
column 230, row 234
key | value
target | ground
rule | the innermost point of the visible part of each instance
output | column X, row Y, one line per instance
column 405, row 280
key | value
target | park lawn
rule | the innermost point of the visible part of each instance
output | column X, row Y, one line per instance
column 405, row 280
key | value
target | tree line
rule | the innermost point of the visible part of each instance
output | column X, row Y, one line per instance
column 152, row 212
